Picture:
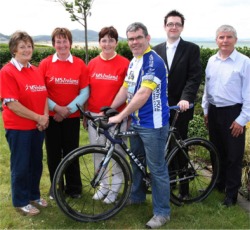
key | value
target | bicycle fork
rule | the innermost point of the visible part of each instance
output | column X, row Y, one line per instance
column 102, row 166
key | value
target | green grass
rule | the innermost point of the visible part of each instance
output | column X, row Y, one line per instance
column 209, row 214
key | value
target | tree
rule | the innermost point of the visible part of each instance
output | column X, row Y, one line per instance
column 79, row 10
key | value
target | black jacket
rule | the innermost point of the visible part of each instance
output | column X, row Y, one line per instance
column 184, row 77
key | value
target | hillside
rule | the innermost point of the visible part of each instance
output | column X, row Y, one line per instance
column 78, row 36
column 4, row 38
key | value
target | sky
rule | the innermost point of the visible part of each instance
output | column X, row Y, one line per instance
column 40, row 17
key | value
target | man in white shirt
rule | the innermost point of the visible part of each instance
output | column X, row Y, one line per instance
column 226, row 105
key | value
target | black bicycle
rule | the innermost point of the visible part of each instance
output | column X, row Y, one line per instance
column 198, row 171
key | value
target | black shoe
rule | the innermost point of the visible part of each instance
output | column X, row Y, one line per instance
column 75, row 196
column 229, row 201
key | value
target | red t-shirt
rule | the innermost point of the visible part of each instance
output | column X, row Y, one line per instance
column 26, row 86
column 64, row 80
column 105, row 79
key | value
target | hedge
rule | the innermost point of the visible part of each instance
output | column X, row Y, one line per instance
column 41, row 52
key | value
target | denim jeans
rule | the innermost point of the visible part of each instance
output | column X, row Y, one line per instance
column 150, row 144
column 26, row 164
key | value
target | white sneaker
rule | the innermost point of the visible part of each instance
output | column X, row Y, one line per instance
column 28, row 210
column 100, row 194
column 51, row 194
column 110, row 198
column 157, row 221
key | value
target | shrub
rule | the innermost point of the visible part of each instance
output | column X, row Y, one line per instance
column 197, row 127
column 80, row 52
column 5, row 55
column 41, row 53
column 123, row 49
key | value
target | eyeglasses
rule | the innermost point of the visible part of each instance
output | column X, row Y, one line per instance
column 171, row 25
column 135, row 39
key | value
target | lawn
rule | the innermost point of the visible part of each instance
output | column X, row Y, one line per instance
column 209, row 214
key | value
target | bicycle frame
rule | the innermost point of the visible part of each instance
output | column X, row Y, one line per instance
column 110, row 146
column 174, row 136
column 116, row 138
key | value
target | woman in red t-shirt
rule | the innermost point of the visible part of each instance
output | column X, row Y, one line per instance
column 106, row 75
column 66, row 80
column 25, row 116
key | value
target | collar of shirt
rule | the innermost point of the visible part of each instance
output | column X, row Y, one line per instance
column 146, row 51
column 18, row 65
column 231, row 56
column 103, row 58
column 174, row 45
column 55, row 58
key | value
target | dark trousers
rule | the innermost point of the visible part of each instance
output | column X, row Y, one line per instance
column 25, row 164
column 231, row 149
column 178, row 163
column 61, row 138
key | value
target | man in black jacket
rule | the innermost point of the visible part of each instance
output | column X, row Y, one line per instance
column 184, row 72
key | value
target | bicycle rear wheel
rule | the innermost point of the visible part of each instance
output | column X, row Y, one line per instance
column 85, row 208
column 192, row 178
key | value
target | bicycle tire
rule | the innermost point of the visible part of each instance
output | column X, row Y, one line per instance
column 197, row 176
column 86, row 209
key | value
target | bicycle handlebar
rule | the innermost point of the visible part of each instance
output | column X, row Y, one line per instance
column 102, row 121
column 178, row 107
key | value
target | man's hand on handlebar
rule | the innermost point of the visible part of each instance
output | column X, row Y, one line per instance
column 115, row 119
column 184, row 105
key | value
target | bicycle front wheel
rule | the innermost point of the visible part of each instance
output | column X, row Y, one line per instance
column 193, row 170
column 85, row 208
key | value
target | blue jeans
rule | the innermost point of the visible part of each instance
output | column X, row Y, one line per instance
column 150, row 143
column 25, row 164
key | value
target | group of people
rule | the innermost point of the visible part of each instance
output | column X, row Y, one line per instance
column 42, row 100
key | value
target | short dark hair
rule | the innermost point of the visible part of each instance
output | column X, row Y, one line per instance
column 16, row 38
column 136, row 26
column 110, row 31
column 61, row 32
column 174, row 13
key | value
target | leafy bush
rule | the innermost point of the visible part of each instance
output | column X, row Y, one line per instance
column 80, row 52
column 197, row 127
column 42, row 51
column 205, row 54
column 123, row 49
column 5, row 56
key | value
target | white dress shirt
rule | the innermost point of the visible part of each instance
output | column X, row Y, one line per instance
column 228, row 83
column 171, row 48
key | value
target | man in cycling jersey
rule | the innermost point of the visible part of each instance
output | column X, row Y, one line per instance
column 144, row 89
